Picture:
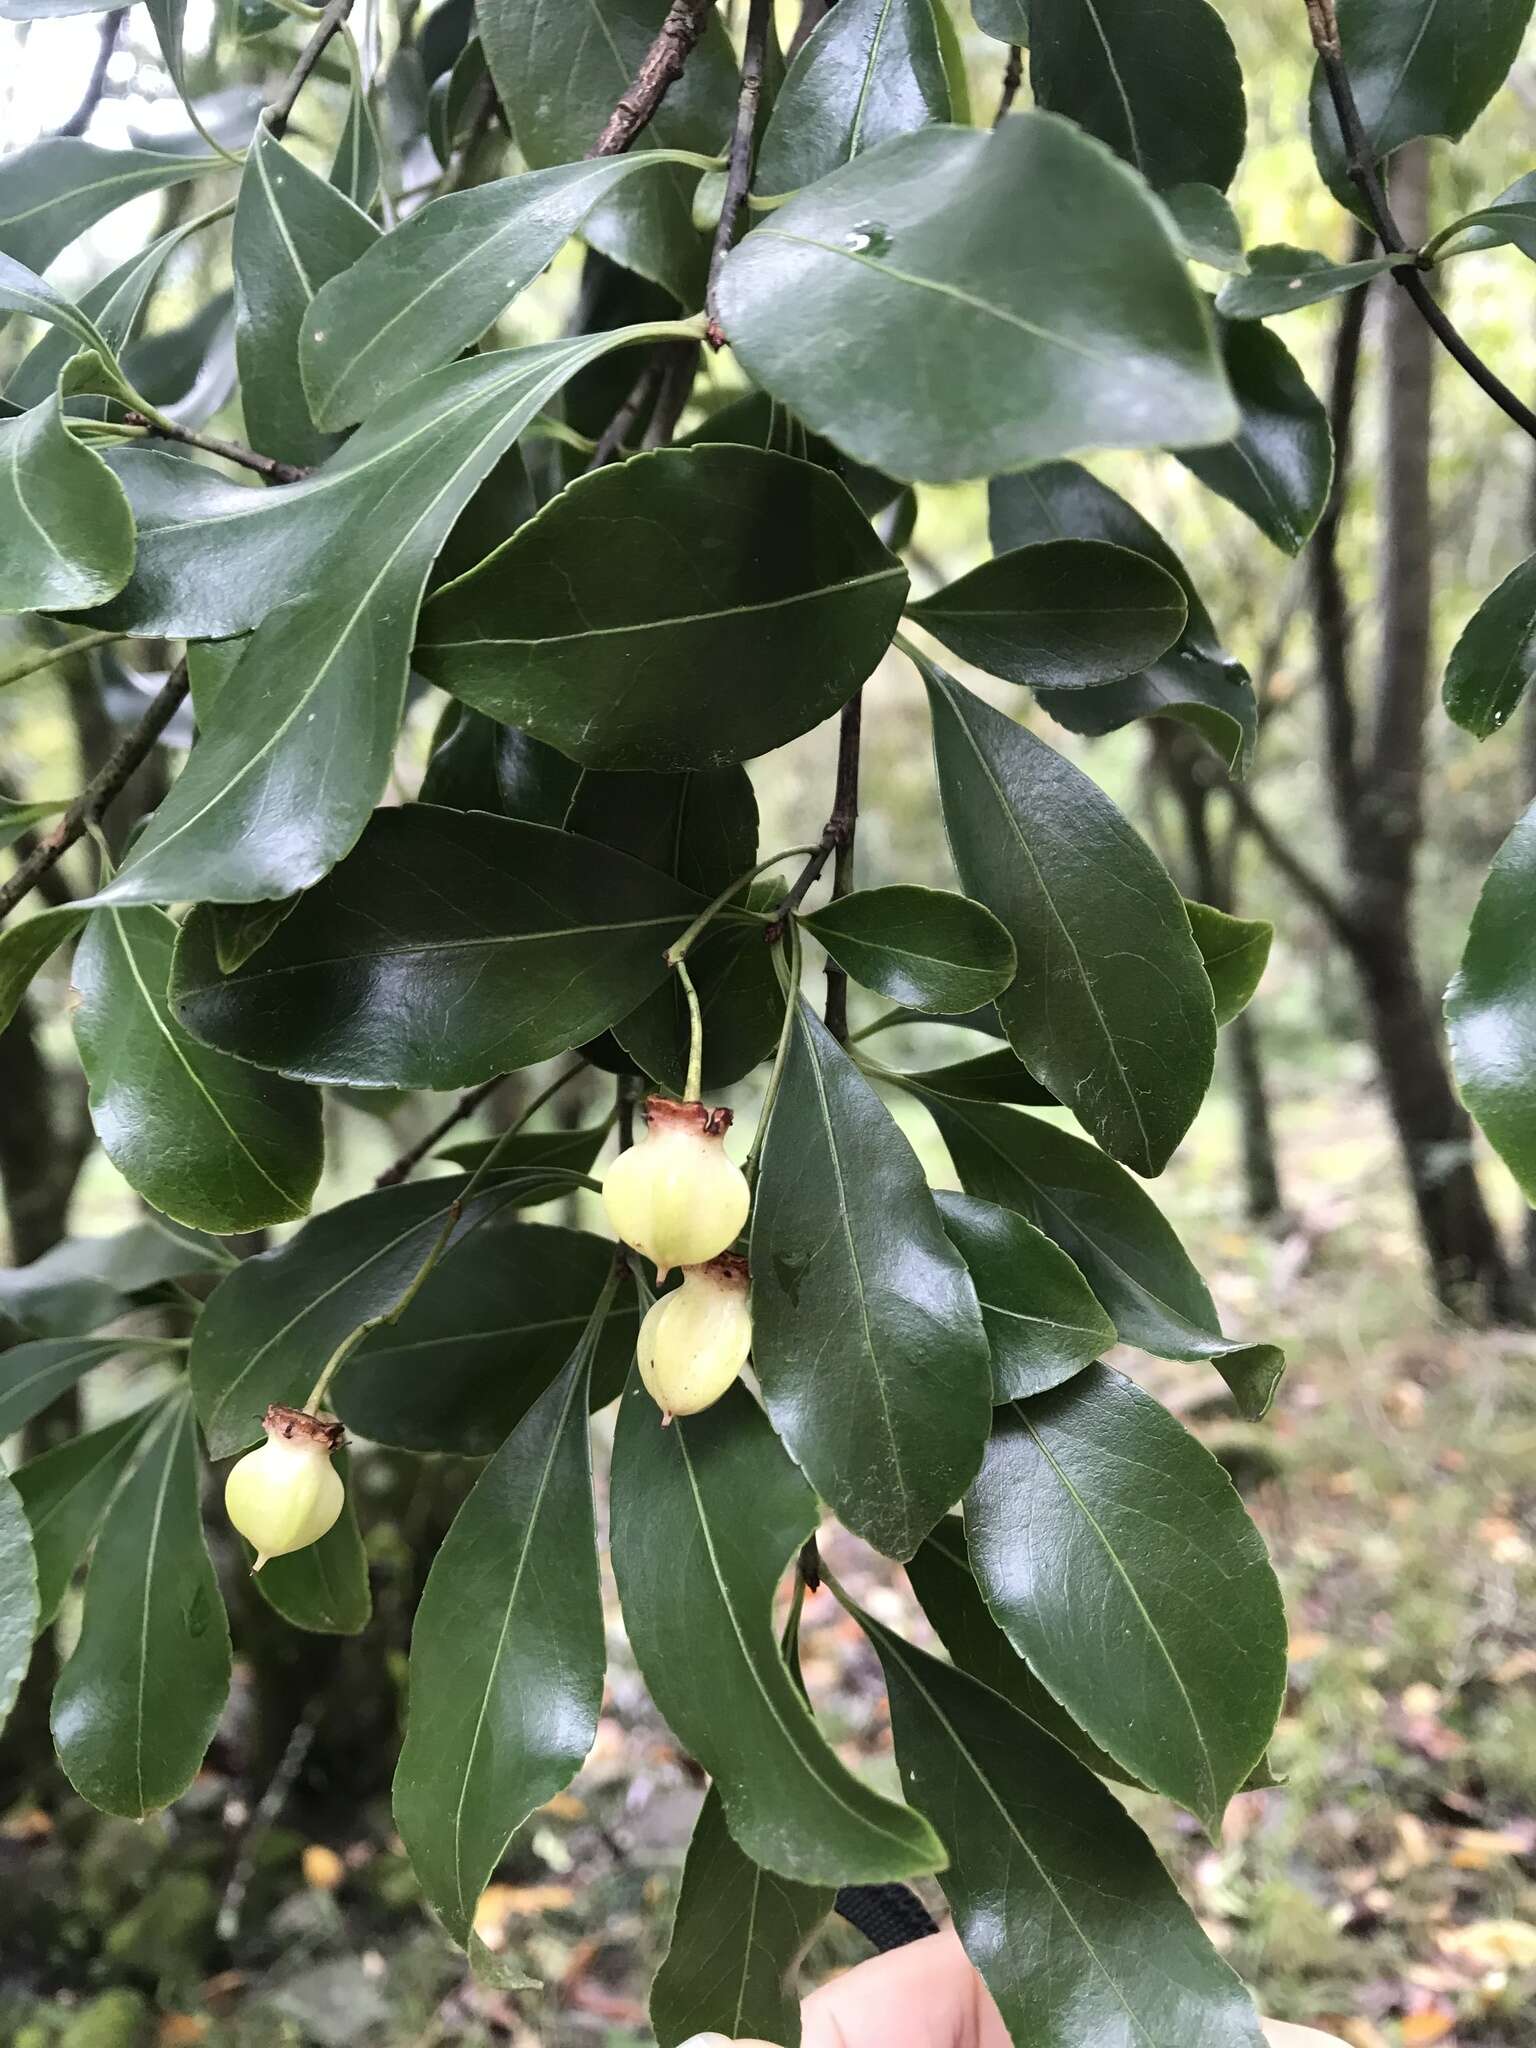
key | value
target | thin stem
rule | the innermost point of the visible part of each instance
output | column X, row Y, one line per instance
column 738, row 174
column 1366, row 177
column 678, row 950
column 845, row 810
column 280, row 112
column 660, row 69
column 229, row 451
column 47, row 657
column 638, row 399
column 679, row 366
column 464, row 1108
column 1013, row 78
column 694, row 1092
column 93, row 801
column 96, row 85
column 789, row 978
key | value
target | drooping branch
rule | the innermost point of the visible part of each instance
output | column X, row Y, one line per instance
column 1365, row 176
column 89, row 806
column 280, row 112
column 845, row 814
column 96, row 84
column 230, row 451
column 1013, row 78
column 660, row 69
column 738, row 174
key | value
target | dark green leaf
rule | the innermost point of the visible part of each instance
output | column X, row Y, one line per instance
column 737, row 1936
column 1157, row 80
column 138, row 1701
column 507, row 1653
column 559, row 72
column 566, row 1151
column 66, row 533
column 87, row 1281
column 1416, row 68
column 324, row 1588
column 1078, row 1931
column 23, row 291
column 18, row 1595
column 242, row 929
column 705, row 1515
column 1198, row 682
column 947, row 1591
column 55, row 189
column 439, row 280
column 205, row 1139
column 758, row 421
column 1208, row 228
column 1129, row 1254
column 66, row 1492
column 355, row 169
column 448, row 947
column 1235, row 951
column 1511, row 218
column 293, row 233
column 772, row 602
column 1042, row 1321
column 991, row 1077
column 1279, row 468
column 919, row 253
column 867, row 1335
column 1062, row 615
column 1111, row 1006
column 1117, row 1558
column 483, row 1339
column 275, row 1320
column 1007, row 20
column 928, row 948
column 32, row 1374
column 740, row 1001
column 299, row 748
column 1495, row 658
column 871, row 70
column 1490, row 1007
column 1281, row 278
column 481, row 765
column 24, row 947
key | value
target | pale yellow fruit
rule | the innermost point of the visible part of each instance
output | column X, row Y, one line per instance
column 287, row 1494
column 676, row 1196
column 694, row 1342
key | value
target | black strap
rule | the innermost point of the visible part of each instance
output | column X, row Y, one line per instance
column 889, row 1915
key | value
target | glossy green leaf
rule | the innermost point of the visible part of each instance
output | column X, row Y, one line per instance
column 1060, row 1900
column 706, row 1514
column 26, row 945
column 448, row 947
column 299, row 747
column 1157, row 80
column 139, row 1699
column 1208, row 228
column 437, row 282
column 274, row 1321
column 324, row 1589
column 740, row 1001
column 1280, row 467
column 1490, row 1007
column 919, row 253
column 55, row 189
column 1281, row 278
column 559, row 72
column 1111, row 1006
column 1493, row 661
column 866, row 1333
column 1041, row 1319
column 1509, row 219
column 205, row 1139
column 66, row 533
column 507, row 1653
column 737, row 1935
column 1127, row 1251
column 32, row 1374
column 1197, row 682
column 563, row 1151
column 355, row 167
column 293, row 233
column 66, row 1492
column 86, row 1281
column 872, row 69
column 23, row 291
column 776, row 601
column 1416, row 68
column 928, row 948
column 999, row 1076
column 1007, row 20
column 1062, row 615
column 484, row 1338
column 947, row 1591
column 1117, row 1558
column 18, row 1595
column 1235, row 951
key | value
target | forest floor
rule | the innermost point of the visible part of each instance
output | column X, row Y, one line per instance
column 1387, row 1891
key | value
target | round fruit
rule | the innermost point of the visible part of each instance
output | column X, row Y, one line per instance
column 694, row 1342
column 285, row 1495
column 676, row 1196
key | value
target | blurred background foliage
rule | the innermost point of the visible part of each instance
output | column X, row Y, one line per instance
column 1388, row 1888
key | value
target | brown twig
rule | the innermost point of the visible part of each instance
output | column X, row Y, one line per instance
column 1365, row 176
column 660, row 69
column 837, row 831
column 679, row 365
column 640, row 397
column 281, row 110
column 231, row 451
column 1310, row 886
column 89, row 806
column 845, row 811
column 1013, row 78
column 403, row 1167
column 96, row 85
column 738, row 174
